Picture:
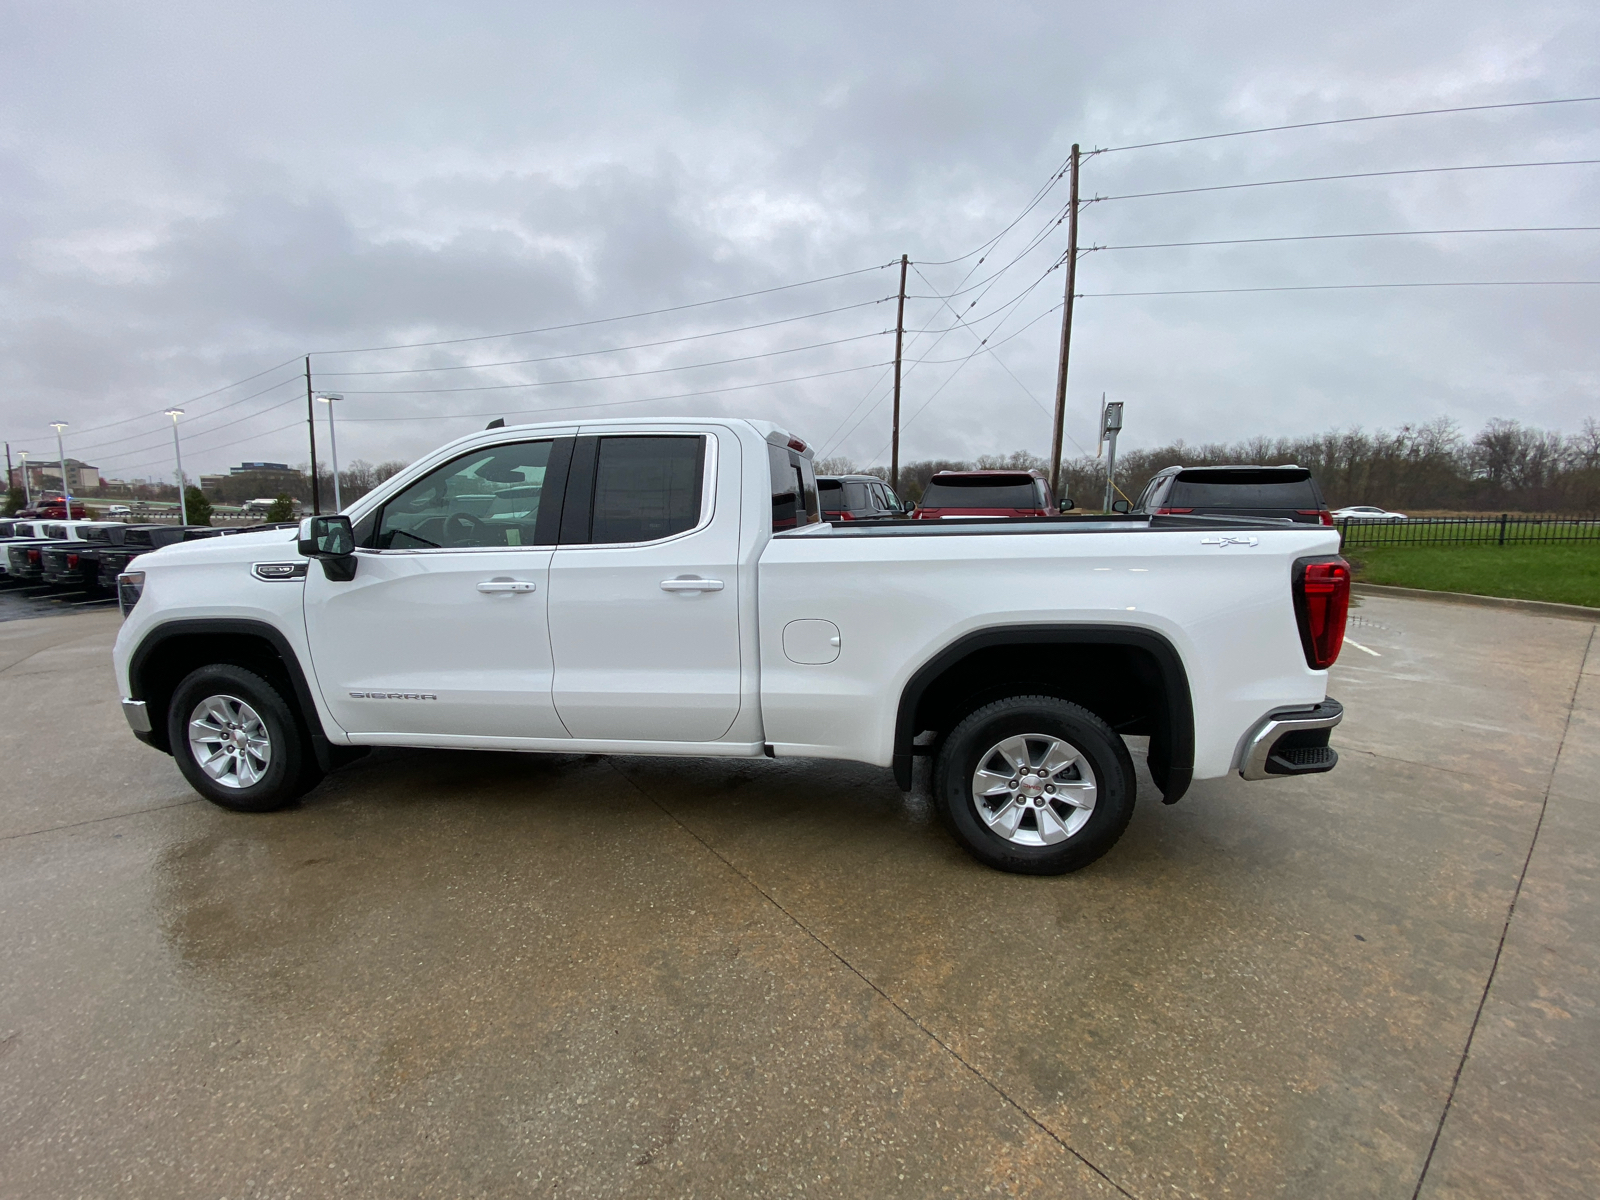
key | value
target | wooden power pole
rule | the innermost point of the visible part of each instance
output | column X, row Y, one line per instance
column 899, row 337
column 311, row 430
column 1066, row 329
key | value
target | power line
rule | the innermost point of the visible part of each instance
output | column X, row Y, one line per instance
column 161, row 435
column 615, row 403
column 1228, row 187
column 499, row 387
column 516, row 362
column 485, row 337
column 1319, row 237
column 158, row 462
column 1422, row 112
column 192, row 400
column 190, row 434
column 1336, row 287
column 1045, row 190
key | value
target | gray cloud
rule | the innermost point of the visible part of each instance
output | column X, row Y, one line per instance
column 193, row 194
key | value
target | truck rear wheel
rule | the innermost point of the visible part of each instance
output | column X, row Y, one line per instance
column 237, row 742
column 1035, row 785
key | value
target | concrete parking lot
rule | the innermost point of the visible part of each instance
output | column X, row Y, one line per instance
column 453, row 975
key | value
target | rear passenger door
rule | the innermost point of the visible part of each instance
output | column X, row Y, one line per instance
column 644, row 587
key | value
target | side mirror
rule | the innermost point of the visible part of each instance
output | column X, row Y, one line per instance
column 1065, row 505
column 1120, row 506
column 332, row 541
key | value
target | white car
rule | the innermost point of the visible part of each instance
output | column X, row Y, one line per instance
column 118, row 510
column 1365, row 512
column 669, row 588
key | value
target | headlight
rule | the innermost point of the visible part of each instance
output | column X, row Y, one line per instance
column 130, row 586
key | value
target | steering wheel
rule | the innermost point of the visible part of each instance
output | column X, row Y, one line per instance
column 462, row 529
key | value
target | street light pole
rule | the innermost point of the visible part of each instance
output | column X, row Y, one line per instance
column 177, row 452
column 333, row 446
column 66, row 492
column 27, row 492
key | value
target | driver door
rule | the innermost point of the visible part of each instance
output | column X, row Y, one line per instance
column 442, row 633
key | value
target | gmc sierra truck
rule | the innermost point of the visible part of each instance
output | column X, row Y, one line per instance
column 667, row 588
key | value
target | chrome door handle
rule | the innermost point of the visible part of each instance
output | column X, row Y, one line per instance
column 691, row 585
column 507, row 585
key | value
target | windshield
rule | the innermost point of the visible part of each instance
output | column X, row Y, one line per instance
column 981, row 491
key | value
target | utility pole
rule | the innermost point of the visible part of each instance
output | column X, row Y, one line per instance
column 899, row 337
column 311, row 430
column 8, row 466
column 1066, row 326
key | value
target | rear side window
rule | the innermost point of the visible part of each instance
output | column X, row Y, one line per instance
column 981, row 492
column 798, row 498
column 646, row 488
column 1244, row 489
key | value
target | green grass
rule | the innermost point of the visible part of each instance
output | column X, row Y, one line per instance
column 1563, row 573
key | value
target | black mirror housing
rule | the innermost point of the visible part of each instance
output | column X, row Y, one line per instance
column 332, row 541
column 1121, row 506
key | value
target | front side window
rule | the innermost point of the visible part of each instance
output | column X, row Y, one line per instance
column 646, row 488
column 487, row 497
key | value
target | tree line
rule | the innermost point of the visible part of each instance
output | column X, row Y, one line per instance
column 1504, row 467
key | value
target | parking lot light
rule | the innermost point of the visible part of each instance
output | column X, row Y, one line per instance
column 333, row 446
column 177, row 451
column 66, row 492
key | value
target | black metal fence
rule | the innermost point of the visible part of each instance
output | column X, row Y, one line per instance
column 1504, row 530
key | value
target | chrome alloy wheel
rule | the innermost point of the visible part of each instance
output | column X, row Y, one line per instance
column 1034, row 789
column 229, row 741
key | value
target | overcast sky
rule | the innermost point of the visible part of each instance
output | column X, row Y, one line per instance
column 195, row 192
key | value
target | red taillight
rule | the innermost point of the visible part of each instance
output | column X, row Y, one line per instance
column 72, row 562
column 1321, row 603
column 796, row 444
column 1162, row 512
column 847, row 516
column 1323, row 516
column 33, row 557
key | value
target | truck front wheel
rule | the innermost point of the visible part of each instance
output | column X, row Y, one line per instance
column 1035, row 785
column 236, row 741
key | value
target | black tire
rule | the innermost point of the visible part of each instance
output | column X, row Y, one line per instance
column 1036, row 720
column 290, row 770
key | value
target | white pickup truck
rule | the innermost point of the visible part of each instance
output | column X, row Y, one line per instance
column 666, row 587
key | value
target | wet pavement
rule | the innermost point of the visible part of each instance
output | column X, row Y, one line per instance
column 453, row 974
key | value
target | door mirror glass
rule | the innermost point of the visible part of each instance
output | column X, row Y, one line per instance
column 1119, row 506
column 327, row 537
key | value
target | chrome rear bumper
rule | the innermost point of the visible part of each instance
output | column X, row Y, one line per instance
column 1292, row 742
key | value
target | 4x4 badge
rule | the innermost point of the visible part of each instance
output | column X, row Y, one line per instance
column 1229, row 541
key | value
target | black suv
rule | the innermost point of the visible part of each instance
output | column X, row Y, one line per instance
column 1289, row 493
column 857, row 498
